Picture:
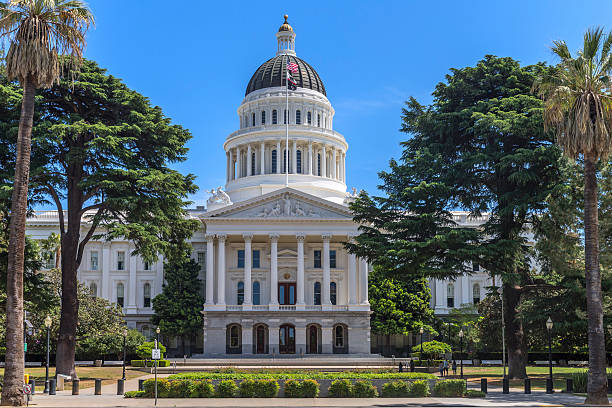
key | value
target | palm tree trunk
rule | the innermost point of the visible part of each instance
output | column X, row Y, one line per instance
column 12, row 390
column 597, row 390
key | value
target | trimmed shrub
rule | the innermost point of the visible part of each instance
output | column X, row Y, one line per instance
column 134, row 394
column 181, row 389
column 364, row 389
column 266, row 388
column 475, row 394
column 231, row 374
column 310, row 389
column 150, row 363
column 449, row 388
column 293, row 389
column 247, row 388
column 395, row 389
column 163, row 388
column 226, row 389
column 204, row 389
column 341, row 389
column 418, row 389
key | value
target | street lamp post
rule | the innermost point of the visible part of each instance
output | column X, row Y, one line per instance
column 421, row 332
column 125, row 333
column 500, row 290
column 48, row 322
column 156, row 346
column 549, row 385
column 461, row 347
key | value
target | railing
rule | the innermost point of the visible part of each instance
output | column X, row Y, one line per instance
column 261, row 307
column 340, row 307
column 313, row 307
column 286, row 307
column 234, row 307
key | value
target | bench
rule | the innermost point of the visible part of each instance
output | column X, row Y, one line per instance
column 577, row 363
column 33, row 364
column 544, row 362
column 83, row 363
column 112, row 363
column 465, row 362
column 491, row 362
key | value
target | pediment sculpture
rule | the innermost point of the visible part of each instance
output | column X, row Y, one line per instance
column 218, row 196
column 286, row 207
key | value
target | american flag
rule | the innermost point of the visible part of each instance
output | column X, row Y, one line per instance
column 293, row 67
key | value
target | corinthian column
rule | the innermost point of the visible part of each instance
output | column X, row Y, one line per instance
column 273, row 271
column 310, row 158
column 323, row 162
column 247, row 270
column 210, row 260
column 300, row 271
column 249, row 161
column 326, row 272
column 221, row 269
column 363, row 281
column 334, row 164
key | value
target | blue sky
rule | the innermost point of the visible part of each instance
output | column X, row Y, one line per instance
column 195, row 58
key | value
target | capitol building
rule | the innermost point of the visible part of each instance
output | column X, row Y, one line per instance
column 275, row 275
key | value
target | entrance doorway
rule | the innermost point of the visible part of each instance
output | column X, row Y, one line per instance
column 261, row 339
column 286, row 337
column 313, row 339
column 286, row 293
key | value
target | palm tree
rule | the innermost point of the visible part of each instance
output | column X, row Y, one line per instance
column 578, row 107
column 36, row 31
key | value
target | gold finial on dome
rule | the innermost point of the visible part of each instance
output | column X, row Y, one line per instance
column 285, row 26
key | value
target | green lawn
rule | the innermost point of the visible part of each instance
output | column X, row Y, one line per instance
column 538, row 375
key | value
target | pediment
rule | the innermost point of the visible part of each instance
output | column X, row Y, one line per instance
column 283, row 204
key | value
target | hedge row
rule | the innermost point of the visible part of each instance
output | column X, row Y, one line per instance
column 341, row 388
column 311, row 375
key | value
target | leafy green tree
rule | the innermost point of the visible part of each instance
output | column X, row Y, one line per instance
column 579, row 109
column 177, row 309
column 104, row 155
column 398, row 307
column 37, row 32
column 144, row 351
column 480, row 147
column 432, row 349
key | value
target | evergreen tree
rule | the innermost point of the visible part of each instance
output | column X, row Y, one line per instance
column 480, row 147
column 177, row 309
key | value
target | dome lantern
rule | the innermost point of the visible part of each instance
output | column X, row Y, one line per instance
column 286, row 39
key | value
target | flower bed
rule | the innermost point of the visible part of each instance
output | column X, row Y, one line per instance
column 249, row 387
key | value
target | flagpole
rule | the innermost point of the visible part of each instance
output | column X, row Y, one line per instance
column 287, row 125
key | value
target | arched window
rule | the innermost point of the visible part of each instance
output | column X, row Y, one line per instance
column 263, row 117
column 299, row 161
column 146, row 290
column 93, row 289
column 274, row 117
column 318, row 164
column 450, row 295
column 240, row 293
column 274, row 162
column 120, row 291
column 253, row 117
column 309, row 118
column 234, row 336
column 256, row 293
column 298, row 117
column 233, row 339
column 253, row 158
column 332, row 292
column 339, row 336
column 146, row 332
column 317, row 293
column 476, row 293
column 318, row 120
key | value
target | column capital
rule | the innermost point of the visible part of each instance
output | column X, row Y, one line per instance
column 222, row 237
column 274, row 236
column 248, row 236
column 300, row 237
column 209, row 237
column 326, row 236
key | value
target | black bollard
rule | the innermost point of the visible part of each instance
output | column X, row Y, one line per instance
column 506, row 386
column 98, row 389
column 549, row 386
column 75, row 387
column 52, row 386
column 569, row 385
column 527, row 385
column 120, row 386
column 483, row 385
column 33, row 384
column 141, row 385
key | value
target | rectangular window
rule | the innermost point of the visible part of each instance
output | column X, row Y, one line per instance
column 285, row 118
column 256, row 259
column 147, row 266
column 475, row 267
column 274, row 118
column 450, row 302
column 241, row 258
column 299, row 161
column 274, row 168
column 332, row 259
column 93, row 260
column 201, row 259
column 121, row 261
column 317, row 259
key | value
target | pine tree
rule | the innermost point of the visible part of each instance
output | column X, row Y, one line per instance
column 177, row 309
